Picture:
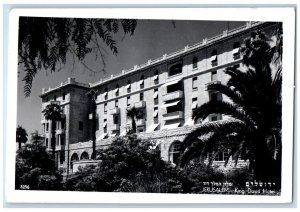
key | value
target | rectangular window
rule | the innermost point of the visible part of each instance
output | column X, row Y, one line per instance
column 142, row 84
column 105, row 126
column 141, row 96
column 116, row 103
column 47, row 127
column 175, row 87
column 128, row 101
column 194, row 83
column 214, row 76
column 215, row 96
column 62, row 140
column 195, row 62
column 194, row 103
column 155, row 96
column 105, row 108
column 64, row 96
column 128, row 87
column 155, row 115
column 63, row 124
column 62, row 156
column 97, row 124
column 174, row 108
column 116, row 119
column 80, row 125
column 214, row 118
column 155, row 78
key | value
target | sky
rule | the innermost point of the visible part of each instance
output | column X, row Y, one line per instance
column 151, row 39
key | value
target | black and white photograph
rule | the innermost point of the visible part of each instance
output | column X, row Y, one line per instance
column 161, row 106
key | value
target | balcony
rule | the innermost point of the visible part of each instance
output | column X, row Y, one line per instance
column 173, row 115
column 172, row 96
column 60, row 131
column 115, row 127
column 140, row 122
column 211, row 83
column 114, row 111
column 140, row 104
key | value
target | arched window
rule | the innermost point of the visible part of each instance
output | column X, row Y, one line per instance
column 155, row 77
column 236, row 50
column 174, row 152
column 105, row 93
column 195, row 62
column 74, row 158
column 175, row 69
column 141, row 82
column 128, row 86
column 84, row 156
column 214, row 58
column 117, row 90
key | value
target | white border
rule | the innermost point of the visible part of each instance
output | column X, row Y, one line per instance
column 285, row 15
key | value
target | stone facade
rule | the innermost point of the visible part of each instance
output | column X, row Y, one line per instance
column 167, row 88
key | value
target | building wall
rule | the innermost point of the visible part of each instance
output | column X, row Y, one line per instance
column 77, row 107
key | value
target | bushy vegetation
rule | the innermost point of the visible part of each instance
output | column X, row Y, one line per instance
column 129, row 164
column 35, row 168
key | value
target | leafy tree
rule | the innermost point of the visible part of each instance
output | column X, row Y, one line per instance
column 35, row 168
column 21, row 136
column 46, row 42
column 129, row 165
column 53, row 112
column 134, row 114
column 82, row 180
column 253, row 127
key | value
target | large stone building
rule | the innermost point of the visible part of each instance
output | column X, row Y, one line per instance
column 167, row 89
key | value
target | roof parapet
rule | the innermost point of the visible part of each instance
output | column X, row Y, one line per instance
column 205, row 41
column 70, row 81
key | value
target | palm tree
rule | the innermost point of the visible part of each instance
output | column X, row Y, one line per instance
column 134, row 114
column 253, row 127
column 53, row 112
column 21, row 136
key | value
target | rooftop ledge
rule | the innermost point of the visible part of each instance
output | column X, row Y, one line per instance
column 205, row 41
column 226, row 33
column 70, row 81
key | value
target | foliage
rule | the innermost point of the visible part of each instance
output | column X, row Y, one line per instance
column 134, row 114
column 82, row 180
column 198, row 173
column 239, row 177
column 35, row 168
column 46, row 42
column 129, row 165
column 21, row 136
column 253, row 127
